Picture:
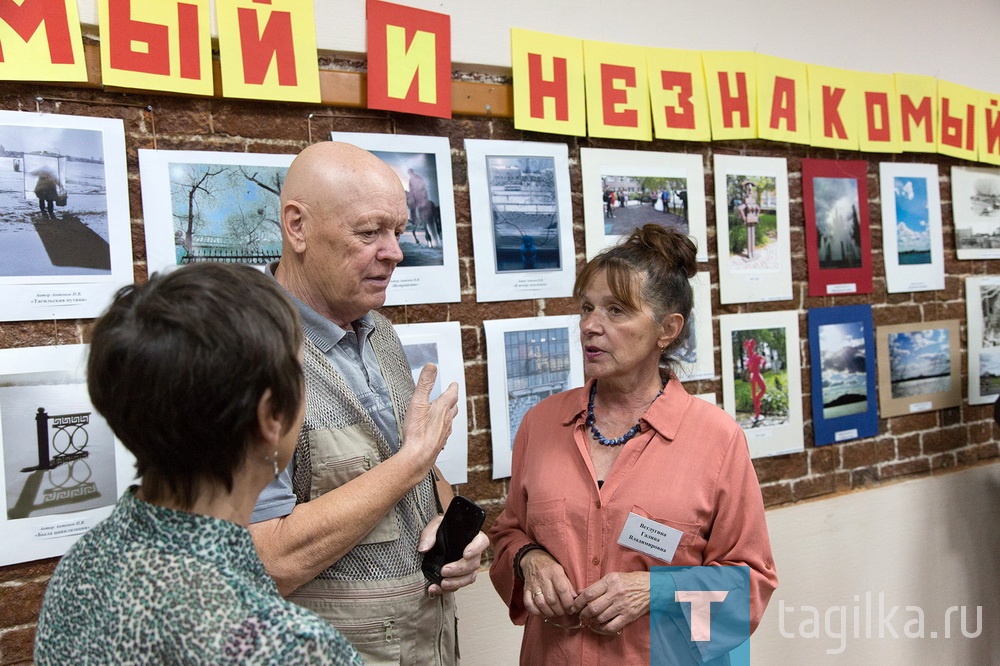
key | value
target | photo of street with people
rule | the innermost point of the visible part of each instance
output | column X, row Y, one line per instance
column 632, row 201
column 53, row 202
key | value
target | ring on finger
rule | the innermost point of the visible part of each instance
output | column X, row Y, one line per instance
column 537, row 593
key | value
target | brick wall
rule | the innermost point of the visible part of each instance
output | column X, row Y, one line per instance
column 907, row 446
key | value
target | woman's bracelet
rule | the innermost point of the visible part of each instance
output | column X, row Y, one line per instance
column 526, row 548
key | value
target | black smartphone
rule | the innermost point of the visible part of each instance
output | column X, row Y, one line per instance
column 462, row 522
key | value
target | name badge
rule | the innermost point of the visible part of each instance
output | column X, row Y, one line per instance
column 650, row 537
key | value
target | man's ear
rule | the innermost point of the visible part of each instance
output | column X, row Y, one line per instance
column 293, row 225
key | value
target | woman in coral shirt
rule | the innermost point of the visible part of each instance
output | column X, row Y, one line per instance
column 631, row 442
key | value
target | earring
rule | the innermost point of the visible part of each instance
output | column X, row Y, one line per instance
column 273, row 459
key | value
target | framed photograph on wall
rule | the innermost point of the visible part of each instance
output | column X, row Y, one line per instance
column 626, row 189
column 62, row 468
column 975, row 206
column 530, row 358
column 838, row 237
column 912, row 244
column 751, row 214
column 982, row 303
column 761, row 379
column 428, row 272
column 211, row 206
column 522, row 219
column 696, row 358
column 842, row 364
column 918, row 367
column 66, row 237
column 440, row 343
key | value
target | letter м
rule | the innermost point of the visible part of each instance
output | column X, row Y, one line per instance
column 29, row 16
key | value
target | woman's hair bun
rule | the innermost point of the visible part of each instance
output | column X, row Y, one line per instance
column 676, row 249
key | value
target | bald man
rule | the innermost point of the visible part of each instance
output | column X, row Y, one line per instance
column 343, row 529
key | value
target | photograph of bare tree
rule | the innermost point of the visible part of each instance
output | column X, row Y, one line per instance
column 205, row 206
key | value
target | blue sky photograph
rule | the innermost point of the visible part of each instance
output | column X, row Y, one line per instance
column 842, row 353
column 919, row 354
column 912, row 234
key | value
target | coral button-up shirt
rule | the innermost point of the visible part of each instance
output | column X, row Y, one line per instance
column 688, row 468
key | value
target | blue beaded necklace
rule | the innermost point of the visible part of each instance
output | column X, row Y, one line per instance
column 617, row 441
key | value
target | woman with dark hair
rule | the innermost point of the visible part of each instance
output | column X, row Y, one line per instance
column 630, row 442
column 198, row 373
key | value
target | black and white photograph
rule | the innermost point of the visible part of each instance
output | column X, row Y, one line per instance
column 918, row 367
column 428, row 272
column 208, row 206
column 626, row 189
column 440, row 343
column 521, row 219
column 58, row 451
column 540, row 356
column 982, row 302
column 975, row 195
column 61, row 466
column 525, row 212
column 696, row 356
column 64, row 202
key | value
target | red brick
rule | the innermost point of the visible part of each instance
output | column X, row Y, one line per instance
column 479, row 413
column 22, row 603
column 865, row 477
column 908, row 446
column 947, row 439
column 885, row 449
column 481, row 449
column 842, row 481
column 776, row 493
column 943, row 461
column 473, row 343
column 913, row 422
column 25, row 571
column 17, row 645
column 481, row 485
column 905, row 468
column 822, row 460
column 813, row 486
column 861, row 454
column 475, row 379
column 779, row 468
column 987, row 451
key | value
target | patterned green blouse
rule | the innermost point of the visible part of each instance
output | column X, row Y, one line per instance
column 153, row 585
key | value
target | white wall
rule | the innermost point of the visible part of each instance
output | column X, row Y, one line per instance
column 932, row 543
column 949, row 40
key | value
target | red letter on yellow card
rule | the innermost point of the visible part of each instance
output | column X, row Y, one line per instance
column 989, row 138
column 267, row 50
column 834, row 107
column 548, row 83
column 917, row 112
column 958, row 118
column 40, row 41
column 617, row 91
column 731, row 81
column 677, row 95
column 782, row 100
column 156, row 45
column 880, row 123
column 409, row 60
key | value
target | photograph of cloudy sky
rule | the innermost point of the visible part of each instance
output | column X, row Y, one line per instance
column 845, row 384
